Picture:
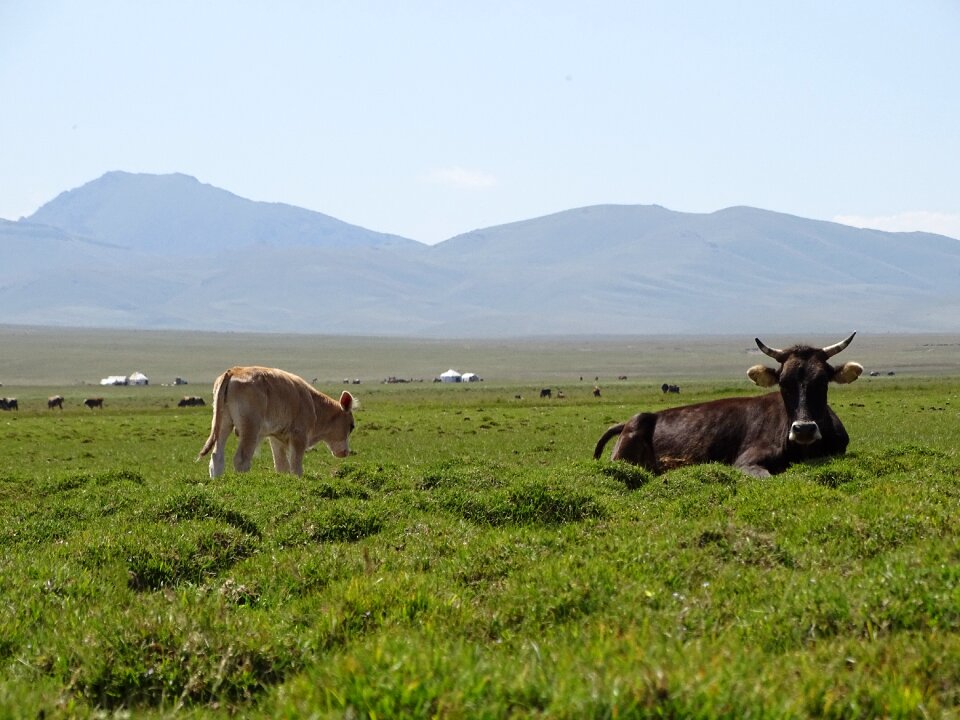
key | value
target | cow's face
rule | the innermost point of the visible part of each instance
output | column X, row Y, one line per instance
column 803, row 377
column 338, row 434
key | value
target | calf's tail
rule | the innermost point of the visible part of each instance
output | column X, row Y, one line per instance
column 219, row 398
column 611, row 432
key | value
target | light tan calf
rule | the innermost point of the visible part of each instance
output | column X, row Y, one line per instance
column 261, row 403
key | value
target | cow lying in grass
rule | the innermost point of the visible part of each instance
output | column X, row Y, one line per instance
column 759, row 435
column 266, row 403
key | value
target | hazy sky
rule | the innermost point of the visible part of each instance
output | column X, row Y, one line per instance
column 429, row 119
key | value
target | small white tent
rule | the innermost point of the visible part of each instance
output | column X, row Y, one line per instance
column 469, row 377
column 450, row 375
column 138, row 378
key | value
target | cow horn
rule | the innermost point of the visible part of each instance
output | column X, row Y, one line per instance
column 778, row 355
column 832, row 350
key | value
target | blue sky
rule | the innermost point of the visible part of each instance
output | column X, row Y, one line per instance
column 430, row 119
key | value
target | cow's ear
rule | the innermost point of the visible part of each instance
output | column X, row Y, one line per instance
column 847, row 373
column 763, row 376
column 346, row 400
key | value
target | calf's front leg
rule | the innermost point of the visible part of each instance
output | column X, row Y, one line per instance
column 281, row 455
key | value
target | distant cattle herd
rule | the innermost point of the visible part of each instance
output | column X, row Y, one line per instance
column 57, row 401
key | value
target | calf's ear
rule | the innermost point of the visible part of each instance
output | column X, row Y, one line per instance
column 346, row 400
column 763, row 376
column 847, row 373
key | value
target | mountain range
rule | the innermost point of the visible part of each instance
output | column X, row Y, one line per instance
column 167, row 251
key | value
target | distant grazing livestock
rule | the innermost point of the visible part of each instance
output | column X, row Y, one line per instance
column 596, row 391
column 670, row 388
column 546, row 392
column 261, row 403
column 560, row 395
column 93, row 403
column 191, row 401
column 55, row 401
column 760, row 435
column 621, row 377
column 9, row 404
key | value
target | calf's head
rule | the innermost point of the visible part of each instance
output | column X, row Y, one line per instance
column 337, row 432
column 803, row 377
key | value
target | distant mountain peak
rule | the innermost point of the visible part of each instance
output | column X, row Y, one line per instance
column 177, row 213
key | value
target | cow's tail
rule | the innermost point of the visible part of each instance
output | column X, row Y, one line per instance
column 219, row 400
column 611, row 432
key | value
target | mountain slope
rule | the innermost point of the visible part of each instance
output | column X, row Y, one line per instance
column 168, row 251
column 647, row 269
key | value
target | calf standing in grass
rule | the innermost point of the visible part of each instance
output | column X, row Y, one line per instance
column 266, row 403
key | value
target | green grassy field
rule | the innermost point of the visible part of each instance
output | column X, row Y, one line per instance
column 470, row 559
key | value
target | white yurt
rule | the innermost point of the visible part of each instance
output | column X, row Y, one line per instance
column 138, row 378
column 450, row 375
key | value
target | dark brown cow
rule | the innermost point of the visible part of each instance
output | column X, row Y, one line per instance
column 93, row 403
column 191, row 401
column 759, row 435
column 55, row 401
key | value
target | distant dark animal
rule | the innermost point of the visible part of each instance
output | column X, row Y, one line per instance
column 93, row 403
column 55, row 401
column 267, row 403
column 874, row 373
column 9, row 404
column 191, row 401
column 596, row 391
column 760, row 435
column 546, row 392
column 670, row 388
column 621, row 377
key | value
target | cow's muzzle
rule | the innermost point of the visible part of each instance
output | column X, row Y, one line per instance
column 804, row 432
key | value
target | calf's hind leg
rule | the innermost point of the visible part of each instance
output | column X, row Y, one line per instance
column 218, row 459
column 247, row 443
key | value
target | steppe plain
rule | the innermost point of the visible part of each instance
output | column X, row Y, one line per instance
column 471, row 559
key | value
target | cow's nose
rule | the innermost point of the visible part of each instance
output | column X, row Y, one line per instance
column 804, row 432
